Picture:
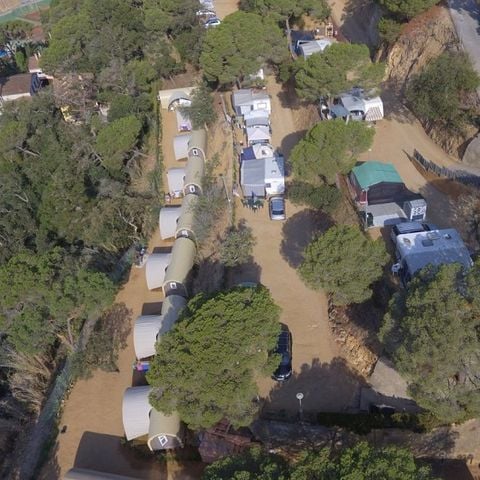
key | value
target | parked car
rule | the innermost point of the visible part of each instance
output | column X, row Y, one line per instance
column 213, row 22
column 276, row 208
column 409, row 227
column 284, row 348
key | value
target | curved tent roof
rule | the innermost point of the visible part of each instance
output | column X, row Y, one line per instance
column 194, row 171
column 187, row 217
column 175, row 179
column 136, row 412
column 84, row 474
column 180, row 146
column 168, row 221
column 171, row 307
column 157, row 263
column 165, row 431
column 167, row 97
column 198, row 140
column 145, row 335
column 183, row 256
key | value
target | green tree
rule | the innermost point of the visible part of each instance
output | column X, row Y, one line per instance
column 116, row 140
column 431, row 331
column 339, row 68
column 239, row 46
column 406, row 9
column 455, row 73
column 321, row 197
column 237, row 246
column 205, row 367
column 330, row 148
column 254, row 464
column 389, row 30
column 344, row 263
column 201, row 112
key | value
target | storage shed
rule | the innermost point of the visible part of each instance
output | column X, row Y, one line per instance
column 165, row 431
column 136, row 412
column 197, row 146
column 194, row 175
column 183, row 257
column 186, row 222
column 171, row 98
column 168, row 220
column 155, row 269
column 145, row 334
column 84, row 474
column 376, row 182
column 175, row 180
column 180, row 146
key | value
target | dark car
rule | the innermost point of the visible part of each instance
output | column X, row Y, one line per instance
column 284, row 349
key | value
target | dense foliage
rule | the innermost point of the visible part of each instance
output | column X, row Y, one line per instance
column 360, row 462
column 431, row 331
column 455, row 73
column 205, row 367
column 201, row 111
column 330, row 148
column 240, row 46
column 321, row 197
column 339, row 68
column 344, row 263
column 407, row 9
column 237, row 245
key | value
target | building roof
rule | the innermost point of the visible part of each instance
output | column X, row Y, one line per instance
column 372, row 172
column 180, row 146
column 155, row 268
column 187, row 217
column 247, row 96
column 84, row 474
column 253, row 172
column 274, row 168
column 145, row 335
column 168, row 220
column 436, row 247
column 183, row 257
column 16, row 84
column 175, row 179
column 171, row 308
column 136, row 412
column 314, row 46
column 258, row 134
column 165, row 431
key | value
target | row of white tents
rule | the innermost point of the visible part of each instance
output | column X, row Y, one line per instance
column 168, row 270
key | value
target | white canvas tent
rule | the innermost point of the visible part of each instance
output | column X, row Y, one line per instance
column 180, row 146
column 170, row 98
column 136, row 412
column 258, row 134
column 168, row 220
column 155, row 269
column 145, row 335
column 175, row 180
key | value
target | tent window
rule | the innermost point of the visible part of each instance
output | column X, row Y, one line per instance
column 163, row 440
column 185, row 233
column 173, row 285
column 191, row 188
column 195, row 152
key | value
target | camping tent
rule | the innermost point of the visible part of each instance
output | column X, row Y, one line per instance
column 258, row 134
column 168, row 220
column 183, row 256
column 145, row 335
column 198, row 141
column 175, row 180
column 171, row 308
column 170, row 98
column 155, row 268
column 136, row 412
column 180, row 146
column 194, row 175
column 165, row 431
column 186, row 222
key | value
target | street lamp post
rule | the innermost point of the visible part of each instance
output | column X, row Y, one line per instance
column 299, row 396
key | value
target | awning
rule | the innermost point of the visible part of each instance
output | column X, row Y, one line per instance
column 373, row 114
column 175, row 179
column 145, row 335
column 136, row 412
column 168, row 220
column 155, row 269
column 180, row 146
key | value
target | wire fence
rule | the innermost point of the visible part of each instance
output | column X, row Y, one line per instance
column 461, row 176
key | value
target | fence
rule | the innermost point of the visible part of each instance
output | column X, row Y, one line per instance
column 461, row 176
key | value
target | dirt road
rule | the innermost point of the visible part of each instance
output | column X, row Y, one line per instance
column 225, row 7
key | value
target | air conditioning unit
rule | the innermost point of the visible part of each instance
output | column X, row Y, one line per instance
column 415, row 210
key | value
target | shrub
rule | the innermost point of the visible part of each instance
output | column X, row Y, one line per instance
column 323, row 197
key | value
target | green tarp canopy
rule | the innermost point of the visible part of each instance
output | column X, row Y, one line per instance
column 372, row 173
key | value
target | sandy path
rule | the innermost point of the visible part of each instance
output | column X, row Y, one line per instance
column 93, row 412
column 225, row 7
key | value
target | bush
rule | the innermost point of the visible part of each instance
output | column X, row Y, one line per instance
column 389, row 30
column 323, row 197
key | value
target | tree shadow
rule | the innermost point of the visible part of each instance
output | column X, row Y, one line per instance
column 162, row 250
column 449, row 469
column 287, row 144
column 249, row 272
column 395, row 108
column 359, row 22
column 109, row 454
column 152, row 308
column 299, row 230
column 50, row 468
column 326, row 387
column 209, row 277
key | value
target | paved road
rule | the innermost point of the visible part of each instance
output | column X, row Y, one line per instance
column 466, row 17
